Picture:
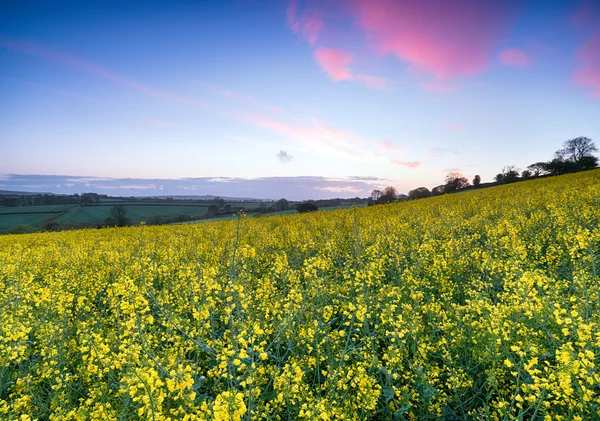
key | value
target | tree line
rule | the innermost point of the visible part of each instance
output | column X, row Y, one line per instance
column 575, row 155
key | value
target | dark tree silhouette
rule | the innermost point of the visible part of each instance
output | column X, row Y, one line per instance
column 390, row 191
column 476, row 180
column 376, row 194
column 306, row 207
column 575, row 150
column 454, row 182
column 419, row 193
column 119, row 215
column 282, row 204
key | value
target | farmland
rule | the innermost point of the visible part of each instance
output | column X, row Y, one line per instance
column 478, row 305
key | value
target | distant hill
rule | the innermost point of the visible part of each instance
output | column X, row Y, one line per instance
column 207, row 197
column 22, row 193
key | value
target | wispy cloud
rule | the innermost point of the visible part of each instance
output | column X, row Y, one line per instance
column 242, row 97
column 408, row 164
column 588, row 74
column 514, row 57
column 435, row 152
column 94, row 69
column 334, row 62
column 453, row 128
column 339, row 189
column 308, row 24
column 57, row 91
column 388, row 145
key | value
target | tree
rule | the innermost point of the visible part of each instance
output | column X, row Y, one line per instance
column 476, row 181
column 509, row 174
column 219, row 202
column 438, row 190
column 526, row 174
column 306, row 207
column 419, row 193
column 537, row 169
column 575, row 150
column 588, row 162
column 50, row 226
column 390, row 191
column 119, row 215
column 455, row 181
column 282, row 204
column 559, row 166
column 212, row 211
column 376, row 194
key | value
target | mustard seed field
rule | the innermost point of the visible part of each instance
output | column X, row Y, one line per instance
column 481, row 305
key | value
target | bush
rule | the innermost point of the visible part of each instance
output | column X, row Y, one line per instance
column 306, row 207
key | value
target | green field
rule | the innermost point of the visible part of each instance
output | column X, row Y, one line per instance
column 69, row 215
column 94, row 214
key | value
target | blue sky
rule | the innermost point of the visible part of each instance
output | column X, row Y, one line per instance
column 345, row 95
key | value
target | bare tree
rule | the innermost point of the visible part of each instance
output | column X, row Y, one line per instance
column 576, row 149
column 390, row 191
column 376, row 194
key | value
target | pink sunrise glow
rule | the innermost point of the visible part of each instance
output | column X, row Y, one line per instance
column 446, row 39
column 588, row 74
column 514, row 57
column 335, row 63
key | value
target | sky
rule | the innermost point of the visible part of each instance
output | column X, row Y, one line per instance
column 298, row 99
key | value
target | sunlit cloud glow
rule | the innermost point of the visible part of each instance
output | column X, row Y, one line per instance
column 514, row 57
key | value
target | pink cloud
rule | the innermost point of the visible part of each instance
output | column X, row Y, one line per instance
column 335, row 63
column 588, row 74
column 243, row 97
column 389, row 146
column 339, row 189
column 309, row 25
column 586, row 14
column 408, row 164
column 447, row 39
column 374, row 82
column 514, row 57
column 453, row 128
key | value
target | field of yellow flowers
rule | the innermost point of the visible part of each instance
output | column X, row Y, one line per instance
column 478, row 305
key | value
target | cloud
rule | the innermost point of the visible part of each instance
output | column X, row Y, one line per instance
column 588, row 74
column 340, row 189
column 389, row 146
column 514, row 57
column 444, row 151
column 444, row 39
column 307, row 24
column 374, row 82
column 241, row 97
column 335, row 63
column 408, row 164
column 284, row 157
column 56, row 91
column 586, row 15
column 292, row 188
column 94, row 69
